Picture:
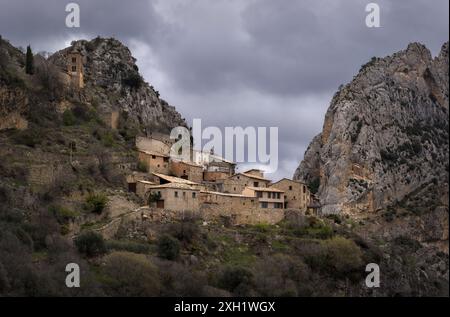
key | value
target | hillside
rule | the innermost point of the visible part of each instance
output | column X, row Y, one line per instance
column 64, row 157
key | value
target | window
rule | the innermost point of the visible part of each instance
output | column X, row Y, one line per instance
column 255, row 184
column 176, row 194
column 259, row 194
column 238, row 177
column 154, row 157
column 74, row 59
column 184, row 194
column 278, row 205
column 264, row 205
column 194, row 195
column 74, row 68
column 184, row 171
column 166, row 159
column 278, row 195
column 290, row 187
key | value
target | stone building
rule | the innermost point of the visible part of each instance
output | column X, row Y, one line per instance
column 296, row 194
column 75, row 68
column 236, row 209
column 255, row 172
column 156, row 162
column 174, row 197
column 235, row 184
column 269, row 198
column 187, row 170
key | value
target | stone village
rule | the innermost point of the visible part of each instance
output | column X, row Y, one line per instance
column 206, row 184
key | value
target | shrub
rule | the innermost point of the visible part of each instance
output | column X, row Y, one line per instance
column 185, row 231
column 90, row 244
column 62, row 214
column 96, row 203
column 133, row 80
column 129, row 274
column 168, row 248
column 69, row 118
column 235, row 279
column 343, row 255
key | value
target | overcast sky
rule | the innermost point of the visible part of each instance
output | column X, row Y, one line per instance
column 243, row 63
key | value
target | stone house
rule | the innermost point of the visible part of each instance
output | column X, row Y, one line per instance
column 296, row 194
column 216, row 171
column 235, row 184
column 174, row 197
column 187, row 170
column 269, row 198
column 156, row 162
column 236, row 209
column 142, row 188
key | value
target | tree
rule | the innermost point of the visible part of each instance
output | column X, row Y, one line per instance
column 29, row 65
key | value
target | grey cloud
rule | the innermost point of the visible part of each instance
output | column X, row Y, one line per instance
column 241, row 63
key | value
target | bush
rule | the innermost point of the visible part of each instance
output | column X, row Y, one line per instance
column 133, row 80
column 96, row 203
column 168, row 248
column 63, row 215
column 69, row 118
column 90, row 244
column 343, row 255
column 129, row 274
column 235, row 279
column 185, row 231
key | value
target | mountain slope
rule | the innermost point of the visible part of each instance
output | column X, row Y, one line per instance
column 385, row 138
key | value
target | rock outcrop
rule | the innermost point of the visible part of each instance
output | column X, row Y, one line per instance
column 385, row 141
column 113, row 84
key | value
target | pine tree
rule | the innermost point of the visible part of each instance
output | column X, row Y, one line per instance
column 29, row 65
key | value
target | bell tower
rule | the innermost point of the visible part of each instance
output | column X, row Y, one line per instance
column 75, row 68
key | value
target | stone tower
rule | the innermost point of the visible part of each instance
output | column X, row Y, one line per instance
column 75, row 68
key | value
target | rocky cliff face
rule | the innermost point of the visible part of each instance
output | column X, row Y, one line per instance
column 113, row 84
column 385, row 138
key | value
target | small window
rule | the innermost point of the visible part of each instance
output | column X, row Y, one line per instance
column 264, row 205
column 176, row 194
column 74, row 59
column 154, row 157
column 278, row 195
column 238, row 177
column 290, row 187
column 184, row 171
column 184, row 194
column 166, row 159
column 259, row 194
column 194, row 195
column 234, row 188
column 74, row 68
column 255, row 184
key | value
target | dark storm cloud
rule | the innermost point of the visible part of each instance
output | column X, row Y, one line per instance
column 241, row 62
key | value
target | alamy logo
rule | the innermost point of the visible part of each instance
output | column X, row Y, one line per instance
column 73, row 18
column 241, row 145
column 373, row 278
column 373, row 18
column 73, row 278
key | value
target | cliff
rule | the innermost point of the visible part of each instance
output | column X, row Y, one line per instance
column 385, row 138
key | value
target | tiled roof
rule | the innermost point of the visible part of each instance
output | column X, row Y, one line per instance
column 175, row 186
column 173, row 179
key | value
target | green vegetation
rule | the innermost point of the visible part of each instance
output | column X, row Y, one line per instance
column 168, row 248
column 90, row 244
column 96, row 203
column 29, row 64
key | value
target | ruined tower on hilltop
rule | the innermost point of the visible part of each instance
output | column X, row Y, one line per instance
column 75, row 68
